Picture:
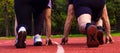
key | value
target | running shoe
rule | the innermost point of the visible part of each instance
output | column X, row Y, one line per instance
column 92, row 36
column 37, row 40
column 20, row 41
column 100, row 37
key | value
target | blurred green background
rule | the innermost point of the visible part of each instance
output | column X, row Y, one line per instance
column 59, row 13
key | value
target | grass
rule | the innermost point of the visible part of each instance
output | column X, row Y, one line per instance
column 115, row 34
column 58, row 36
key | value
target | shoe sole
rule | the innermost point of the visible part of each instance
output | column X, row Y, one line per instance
column 38, row 44
column 21, row 40
column 92, row 37
column 100, row 37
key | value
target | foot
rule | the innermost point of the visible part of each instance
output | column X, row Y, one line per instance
column 92, row 36
column 48, row 42
column 20, row 41
column 64, row 41
column 100, row 37
column 37, row 40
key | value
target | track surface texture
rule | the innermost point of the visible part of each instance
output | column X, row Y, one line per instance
column 74, row 45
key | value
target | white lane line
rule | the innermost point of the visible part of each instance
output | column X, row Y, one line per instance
column 59, row 48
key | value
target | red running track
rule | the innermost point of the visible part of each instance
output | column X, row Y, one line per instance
column 75, row 45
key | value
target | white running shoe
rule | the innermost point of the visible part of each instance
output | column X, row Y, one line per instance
column 37, row 40
column 20, row 40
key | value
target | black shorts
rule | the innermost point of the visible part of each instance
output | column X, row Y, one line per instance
column 70, row 2
column 26, row 10
column 33, row 4
column 92, row 7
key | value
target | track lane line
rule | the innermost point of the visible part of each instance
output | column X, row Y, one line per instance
column 60, row 49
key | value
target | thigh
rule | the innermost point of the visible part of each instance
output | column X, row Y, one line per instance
column 83, row 15
column 84, row 18
column 82, row 21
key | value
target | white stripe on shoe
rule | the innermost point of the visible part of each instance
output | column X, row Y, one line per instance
column 37, row 38
column 21, row 29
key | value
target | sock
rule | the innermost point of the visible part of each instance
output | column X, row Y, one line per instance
column 87, row 25
column 100, row 28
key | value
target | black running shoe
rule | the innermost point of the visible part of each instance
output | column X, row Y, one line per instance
column 92, row 36
column 100, row 37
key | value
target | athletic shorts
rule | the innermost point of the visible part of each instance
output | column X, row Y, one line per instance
column 50, row 4
column 36, row 4
column 92, row 7
column 70, row 1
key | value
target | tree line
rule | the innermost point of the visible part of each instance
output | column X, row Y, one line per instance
column 59, row 13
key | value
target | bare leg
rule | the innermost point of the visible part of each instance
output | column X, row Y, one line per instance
column 82, row 21
column 85, row 26
column 15, row 26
